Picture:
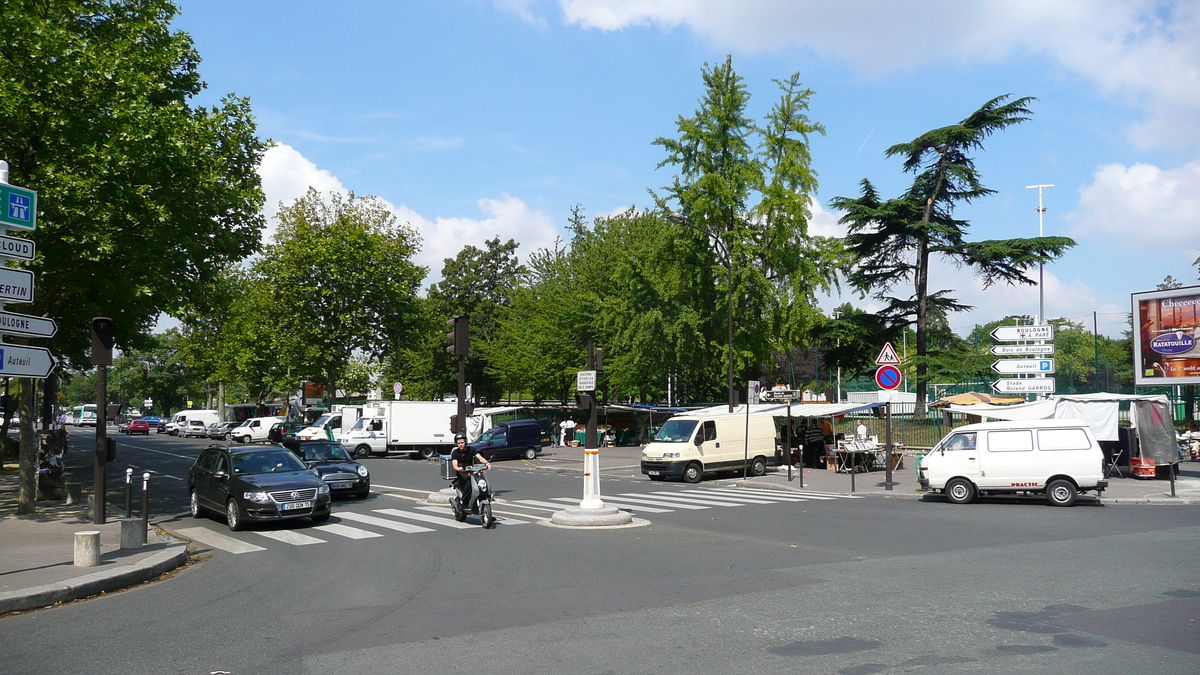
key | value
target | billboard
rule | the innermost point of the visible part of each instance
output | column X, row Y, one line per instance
column 1166, row 337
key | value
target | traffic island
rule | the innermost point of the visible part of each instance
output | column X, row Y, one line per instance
column 605, row 516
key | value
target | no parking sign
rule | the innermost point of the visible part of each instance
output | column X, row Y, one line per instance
column 887, row 377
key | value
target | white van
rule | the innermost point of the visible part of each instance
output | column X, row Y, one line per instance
column 179, row 421
column 254, row 429
column 1059, row 458
column 691, row 444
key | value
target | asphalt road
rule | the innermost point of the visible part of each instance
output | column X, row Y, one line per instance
column 718, row 581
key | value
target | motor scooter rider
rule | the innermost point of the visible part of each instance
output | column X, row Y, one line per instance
column 461, row 458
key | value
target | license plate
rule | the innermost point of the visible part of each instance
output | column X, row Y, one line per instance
column 292, row 506
column 652, row 473
column 342, row 484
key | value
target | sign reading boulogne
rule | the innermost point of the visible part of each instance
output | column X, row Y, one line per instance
column 23, row 324
column 16, row 285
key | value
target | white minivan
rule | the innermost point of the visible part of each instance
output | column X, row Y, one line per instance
column 691, row 444
column 1059, row 458
column 254, row 429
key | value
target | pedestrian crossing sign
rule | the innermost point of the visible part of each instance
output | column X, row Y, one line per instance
column 887, row 356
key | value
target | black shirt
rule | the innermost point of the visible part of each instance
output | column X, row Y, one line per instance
column 465, row 457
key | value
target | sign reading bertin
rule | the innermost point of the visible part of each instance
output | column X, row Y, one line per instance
column 1166, row 348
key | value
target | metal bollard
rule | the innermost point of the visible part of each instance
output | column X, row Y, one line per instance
column 128, row 493
column 87, row 548
column 145, row 504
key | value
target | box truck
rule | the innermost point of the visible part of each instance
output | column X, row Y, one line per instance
column 419, row 428
column 332, row 424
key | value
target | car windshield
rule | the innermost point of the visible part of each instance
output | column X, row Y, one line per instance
column 325, row 452
column 491, row 435
column 322, row 420
column 358, row 426
column 266, row 461
column 675, row 431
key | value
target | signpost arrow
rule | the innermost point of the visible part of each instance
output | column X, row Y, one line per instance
column 1029, row 385
column 1023, row 366
column 1022, row 350
column 24, row 324
column 1015, row 333
column 20, row 361
column 16, row 285
column 15, row 248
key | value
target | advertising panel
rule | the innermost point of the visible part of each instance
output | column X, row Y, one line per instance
column 1165, row 337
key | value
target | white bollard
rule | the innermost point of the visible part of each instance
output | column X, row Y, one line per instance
column 87, row 548
column 133, row 532
column 74, row 493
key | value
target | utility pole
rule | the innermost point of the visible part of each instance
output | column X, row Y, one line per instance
column 102, row 344
column 1041, row 266
column 460, row 346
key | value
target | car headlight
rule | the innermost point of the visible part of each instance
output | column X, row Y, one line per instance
column 256, row 497
column 323, row 489
column 362, row 470
column 670, row 455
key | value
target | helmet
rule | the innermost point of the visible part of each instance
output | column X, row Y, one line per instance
column 458, row 437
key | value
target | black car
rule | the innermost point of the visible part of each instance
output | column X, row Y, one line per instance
column 284, row 431
column 334, row 465
column 256, row 483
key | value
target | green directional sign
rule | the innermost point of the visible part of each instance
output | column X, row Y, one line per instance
column 18, row 207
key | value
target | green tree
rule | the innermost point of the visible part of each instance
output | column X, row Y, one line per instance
column 894, row 240
column 341, row 281
column 747, row 209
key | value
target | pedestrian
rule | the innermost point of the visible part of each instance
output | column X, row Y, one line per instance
column 568, row 431
column 860, row 432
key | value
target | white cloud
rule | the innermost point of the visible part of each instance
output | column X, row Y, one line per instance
column 1141, row 205
column 287, row 175
column 822, row 223
column 1144, row 52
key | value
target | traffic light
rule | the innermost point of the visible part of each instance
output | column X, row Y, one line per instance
column 110, row 450
column 103, row 337
column 599, row 359
column 460, row 337
column 584, row 400
column 454, row 424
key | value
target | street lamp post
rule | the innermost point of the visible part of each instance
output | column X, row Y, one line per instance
column 726, row 259
column 1041, row 266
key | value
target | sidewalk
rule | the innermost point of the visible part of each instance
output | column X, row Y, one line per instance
column 37, row 553
column 625, row 462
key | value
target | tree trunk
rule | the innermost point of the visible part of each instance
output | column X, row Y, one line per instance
column 27, row 477
column 922, row 306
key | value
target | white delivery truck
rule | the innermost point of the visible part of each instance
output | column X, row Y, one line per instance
column 331, row 424
column 1058, row 458
column 420, row 428
column 179, row 420
column 691, row 444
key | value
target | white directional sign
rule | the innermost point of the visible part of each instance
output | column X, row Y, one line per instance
column 1029, row 385
column 16, row 248
column 1022, row 350
column 20, row 361
column 1020, row 333
column 16, row 285
column 23, row 324
column 1024, row 366
column 585, row 380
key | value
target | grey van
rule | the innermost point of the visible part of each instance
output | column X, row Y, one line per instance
column 522, row 438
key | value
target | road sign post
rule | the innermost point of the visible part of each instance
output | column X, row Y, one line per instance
column 1024, row 366
column 888, row 377
column 1022, row 350
column 1023, row 333
column 1030, row 385
column 24, row 324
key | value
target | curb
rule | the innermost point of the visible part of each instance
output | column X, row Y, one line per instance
column 98, row 582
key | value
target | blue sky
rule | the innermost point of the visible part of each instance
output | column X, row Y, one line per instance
column 477, row 118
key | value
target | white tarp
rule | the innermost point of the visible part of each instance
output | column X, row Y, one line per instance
column 483, row 419
column 798, row 409
column 1098, row 410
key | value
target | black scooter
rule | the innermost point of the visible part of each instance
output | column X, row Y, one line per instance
column 479, row 502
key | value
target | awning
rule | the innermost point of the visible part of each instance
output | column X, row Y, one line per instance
column 798, row 409
column 975, row 398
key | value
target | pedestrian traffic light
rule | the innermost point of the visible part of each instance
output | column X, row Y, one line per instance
column 460, row 337
column 454, row 424
column 110, row 450
column 103, row 337
column 585, row 399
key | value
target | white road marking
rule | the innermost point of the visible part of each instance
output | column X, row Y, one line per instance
column 716, row 499
column 549, row 506
column 217, row 540
column 798, row 495
column 392, row 487
column 510, row 521
column 289, row 537
column 626, row 503
column 346, row 531
column 448, row 522
column 383, row 522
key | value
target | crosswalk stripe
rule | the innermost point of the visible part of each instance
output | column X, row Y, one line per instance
column 425, row 518
column 664, row 500
column 740, row 500
column 347, row 531
column 507, row 521
column 289, row 537
column 798, row 496
column 623, row 503
column 694, row 498
column 535, row 516
column 383, row 522
column 549, row 505
column 217, row 540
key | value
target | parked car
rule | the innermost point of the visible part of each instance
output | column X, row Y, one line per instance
column 220, row 431
column 158, row 424
column 284, row 431
column 138, row 426
column 194, row 428
column 334, row 465
column 254, row 484
column 123, row 427
column 254, row 429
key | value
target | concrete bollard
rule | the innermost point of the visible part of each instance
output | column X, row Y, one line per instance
column 132, row 533
column 74, row 493
column 87, row 548
column 91, row 507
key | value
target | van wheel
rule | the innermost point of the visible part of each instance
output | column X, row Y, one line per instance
column 758, row 466
column 692, row 473
column 362, row 451
column 244, row 439
column 425, row 452
column 530, row 453
column 960, row 491
column 1061, row 492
